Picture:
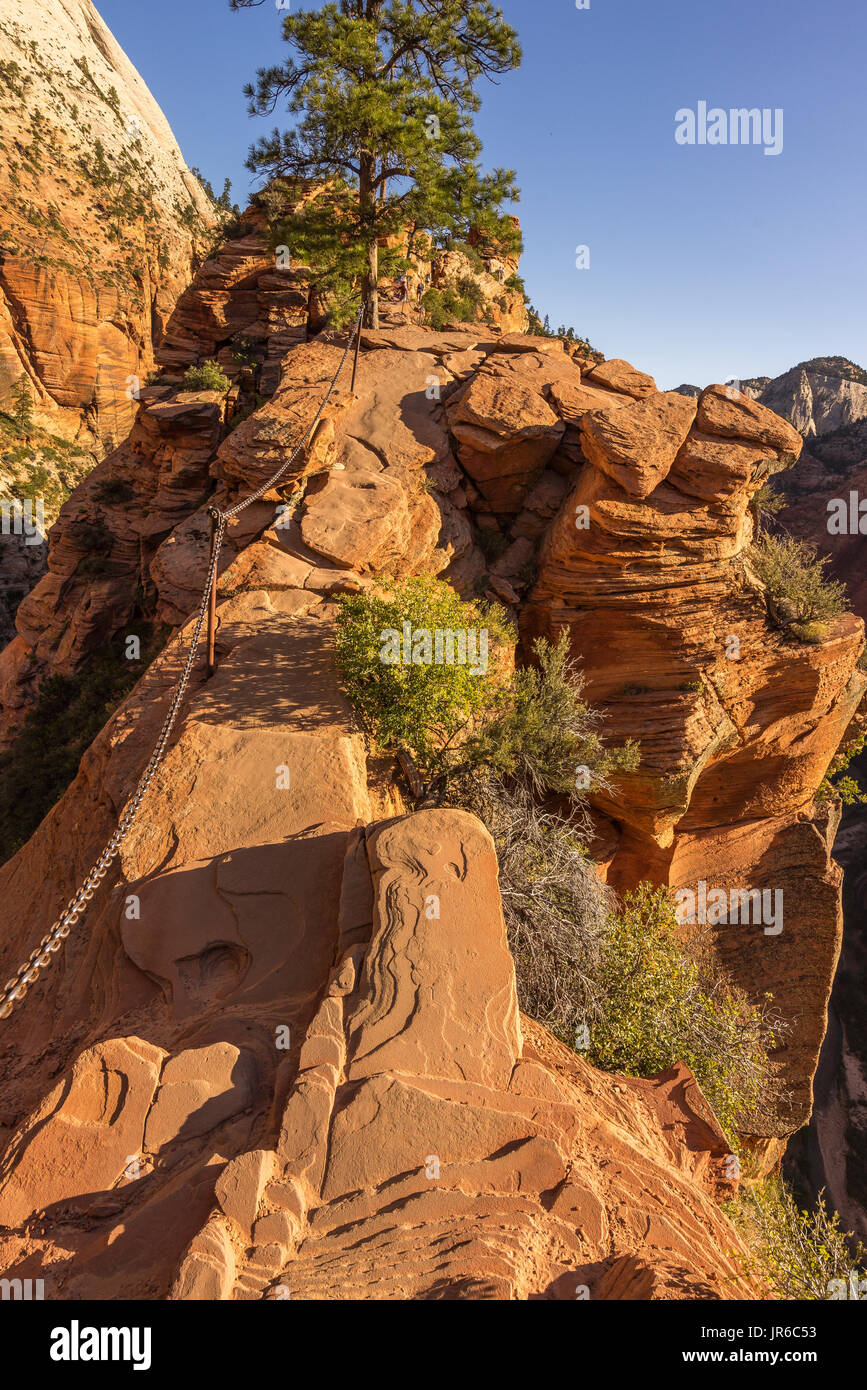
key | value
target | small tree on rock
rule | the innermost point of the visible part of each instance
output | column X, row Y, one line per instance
column 384, row 92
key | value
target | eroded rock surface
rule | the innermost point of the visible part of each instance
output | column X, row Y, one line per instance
column 327, row 1090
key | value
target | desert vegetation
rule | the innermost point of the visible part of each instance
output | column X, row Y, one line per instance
column 795, row 1253
column 206, row 376
column 801, row 596
column 523, row 751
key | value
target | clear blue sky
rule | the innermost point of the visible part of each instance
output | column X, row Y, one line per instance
column 706, row 262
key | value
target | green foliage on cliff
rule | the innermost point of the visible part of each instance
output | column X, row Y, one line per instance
column 207, row 376
column 662, row 1000
column 407, row 698
column 475, row 715
column 800, row 595
column 836, row 785
column 459, row 303
column 799, row 1254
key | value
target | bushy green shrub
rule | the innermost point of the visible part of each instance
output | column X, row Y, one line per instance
column 427, row 709
column 800, row 595
column 766, row 503
column 447, row 305
column 530, row 726
column 661, row 1001
column 543, row 734
column 795, row 1252
column 207, row 376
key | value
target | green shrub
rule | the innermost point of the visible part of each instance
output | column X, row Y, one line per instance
column 766, row 502
column 530, row 726
column 469, row 289
column 794, row 576
column 835, row 785
column 425, row 709
column 445, row 305
column 206, row 376
column 662, row 1001
column 543, row 735
column 795, row 1252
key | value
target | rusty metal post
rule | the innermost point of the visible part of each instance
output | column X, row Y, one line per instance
column 212, row 603
column 357, row 350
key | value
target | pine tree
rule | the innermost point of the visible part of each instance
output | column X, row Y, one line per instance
column 22, row 406
column 384, row 92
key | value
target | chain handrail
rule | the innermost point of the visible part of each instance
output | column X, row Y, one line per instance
column 39, row 959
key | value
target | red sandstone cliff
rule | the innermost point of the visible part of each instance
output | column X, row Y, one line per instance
column 411, row 1110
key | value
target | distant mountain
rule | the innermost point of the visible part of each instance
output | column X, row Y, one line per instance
column 819, row 396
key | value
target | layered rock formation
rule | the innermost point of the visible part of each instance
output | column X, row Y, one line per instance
column 101, row 220
column 276, row 1070
column 818, row 397
column 827, row 400
column 647, row 566
column 272, row 1071
column 101, row 225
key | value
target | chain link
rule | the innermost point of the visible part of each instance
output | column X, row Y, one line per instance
column 39, row 959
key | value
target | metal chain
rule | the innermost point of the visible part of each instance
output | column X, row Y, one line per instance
column 15, row 989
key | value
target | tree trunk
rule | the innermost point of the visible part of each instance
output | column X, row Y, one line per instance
column 371, row 285
column 367, row 209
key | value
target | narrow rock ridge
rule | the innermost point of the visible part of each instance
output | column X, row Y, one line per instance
column 283, row 1077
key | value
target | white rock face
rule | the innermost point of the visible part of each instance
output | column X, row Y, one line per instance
column 100, row 220
column 67, row 32
column 101, row 227
column 818, row 396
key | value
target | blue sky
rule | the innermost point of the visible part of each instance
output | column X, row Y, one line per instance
column 706, row 262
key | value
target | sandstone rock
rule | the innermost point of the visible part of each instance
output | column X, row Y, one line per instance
column 208, row 1269
column 637, row 445
column 240, row 1186
column 654, row 587
column 363, row 521
column 618, row 375
column 506, row 436
column 68, row 321
column 85, row 1134
column 349, row 959
column 572, row 401
column 723, row 410
column 404, row 1148
column 528, row 342
column 199, row 1088
column 455, row 860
